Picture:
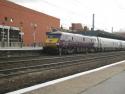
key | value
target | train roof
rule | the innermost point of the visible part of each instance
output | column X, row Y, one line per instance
column 96, row 33
column 58, row 32
column 101, row 33
column 67, row 33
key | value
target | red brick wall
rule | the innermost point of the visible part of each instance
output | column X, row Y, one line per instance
column 27, row 16
column 77, row 26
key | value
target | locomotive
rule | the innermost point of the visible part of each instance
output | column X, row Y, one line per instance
column 68, row 43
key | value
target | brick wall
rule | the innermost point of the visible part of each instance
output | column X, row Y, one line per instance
column 27, row 19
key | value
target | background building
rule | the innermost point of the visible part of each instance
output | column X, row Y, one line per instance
column 27, row 24
column 78, row 27
column 122, row 33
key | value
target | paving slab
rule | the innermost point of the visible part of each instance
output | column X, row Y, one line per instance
column 114, row 85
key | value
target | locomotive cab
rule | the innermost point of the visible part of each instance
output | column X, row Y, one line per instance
column 52, row 42
column 52, row 39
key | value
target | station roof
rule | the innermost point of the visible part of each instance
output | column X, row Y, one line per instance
column 101, row 33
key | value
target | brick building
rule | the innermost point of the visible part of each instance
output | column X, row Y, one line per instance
column 77, row 26
column 29, row 24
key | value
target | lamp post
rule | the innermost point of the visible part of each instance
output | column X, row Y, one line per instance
column 34, row 33
column 21, row 34
column 8, row 19
column 3, row 34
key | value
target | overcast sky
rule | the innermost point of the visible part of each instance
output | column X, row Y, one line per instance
column 108, row 13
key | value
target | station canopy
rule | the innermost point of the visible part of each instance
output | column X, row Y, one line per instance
column 100, row 33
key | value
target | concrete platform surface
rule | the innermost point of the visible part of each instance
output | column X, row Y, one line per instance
column 107, row 79
column 114, row 85
column 19, row 48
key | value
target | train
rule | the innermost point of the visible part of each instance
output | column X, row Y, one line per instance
column 69, row 43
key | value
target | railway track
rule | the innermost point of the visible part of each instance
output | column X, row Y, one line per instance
column 56, row 66
column 16, row 58
column 12, row 68
column 11, row 59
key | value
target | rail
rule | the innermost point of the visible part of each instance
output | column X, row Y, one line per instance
column 47, row 66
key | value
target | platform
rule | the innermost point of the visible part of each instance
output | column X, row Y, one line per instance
column 20, row 48
column 105, row 80
column 20, row 51
column 114, row 85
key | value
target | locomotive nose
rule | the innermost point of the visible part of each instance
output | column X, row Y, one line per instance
column 51, row 40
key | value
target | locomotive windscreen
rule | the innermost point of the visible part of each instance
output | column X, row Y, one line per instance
column 54, row 35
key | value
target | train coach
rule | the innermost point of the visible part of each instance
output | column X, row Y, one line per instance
column 68, row 43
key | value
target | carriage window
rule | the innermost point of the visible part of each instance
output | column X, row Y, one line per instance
column 72, row 38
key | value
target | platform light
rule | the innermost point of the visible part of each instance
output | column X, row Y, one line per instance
column 11, row 20
column 21, row 33
column 7, row 20
column 34, row 25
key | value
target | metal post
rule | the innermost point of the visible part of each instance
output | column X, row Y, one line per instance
column 8, row 37
column 60, row 51
column 112, row 29
column 21, row 34
column 93, row 22
column 21, row 40
column 3, row 36
column 8, row 32
column 34, row 38
column 34, row 34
